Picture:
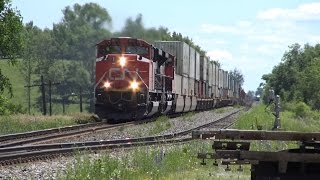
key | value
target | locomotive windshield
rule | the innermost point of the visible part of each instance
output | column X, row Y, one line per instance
column 136, row 50
column 113, row 50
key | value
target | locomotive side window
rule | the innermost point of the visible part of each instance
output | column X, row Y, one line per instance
column 113, row 50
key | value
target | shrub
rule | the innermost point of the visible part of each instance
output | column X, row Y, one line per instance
column 302, row 110
column 7, row 108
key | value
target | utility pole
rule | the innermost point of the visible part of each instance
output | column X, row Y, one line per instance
column 50, row 101
column 43, row 95
column 29, row 87
column 43, row 92
column 80, row 99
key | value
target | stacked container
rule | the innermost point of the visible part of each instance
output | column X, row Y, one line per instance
column 181, row 51
column 192, row 74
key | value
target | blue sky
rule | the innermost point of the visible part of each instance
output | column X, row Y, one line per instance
column 249, row 35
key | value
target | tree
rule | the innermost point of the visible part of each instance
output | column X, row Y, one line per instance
column 78, row 33
column 238, row 76
column 297, row 77
column 11, row 40
column 81, row 28
column 250, row 95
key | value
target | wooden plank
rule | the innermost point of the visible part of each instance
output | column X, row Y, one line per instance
column 257, row 135
column 268, row 156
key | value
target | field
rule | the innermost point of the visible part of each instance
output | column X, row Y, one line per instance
column 21, row 96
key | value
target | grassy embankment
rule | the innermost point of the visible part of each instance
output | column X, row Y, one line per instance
column 23, row 123
column 180, row 162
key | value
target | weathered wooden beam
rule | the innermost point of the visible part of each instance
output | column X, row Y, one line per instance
column 257, row 135
column 268, row 156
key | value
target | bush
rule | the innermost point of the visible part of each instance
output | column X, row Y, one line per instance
column 7, row 108
column 288, row 106
column 302, row 110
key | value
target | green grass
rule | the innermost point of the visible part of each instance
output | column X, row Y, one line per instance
column 219, row 110
column 188, row 116
column 259, row 116
column 18, row 83
column 162, row 123
column 20, row 92
column 23, row 123
column 177, row 162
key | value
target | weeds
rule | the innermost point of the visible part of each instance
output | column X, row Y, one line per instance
column 188, row 116
column 162, row 123
column 219, row 111
column 141, row 163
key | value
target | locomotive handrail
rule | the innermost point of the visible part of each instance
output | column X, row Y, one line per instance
column 141, row 79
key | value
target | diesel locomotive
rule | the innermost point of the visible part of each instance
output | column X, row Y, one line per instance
column 136, row 79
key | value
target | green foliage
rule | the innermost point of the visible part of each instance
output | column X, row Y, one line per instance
column 237, row 75
column 11, row 27
column 258, row 116
column 66, row 53
column 255, row 118
column 11, row 40
column 162, row 123
column 142, row 163
column 297, row 77
column 302, row 110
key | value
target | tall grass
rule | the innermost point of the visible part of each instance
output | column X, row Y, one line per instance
column 260, row 117
column 177, row 162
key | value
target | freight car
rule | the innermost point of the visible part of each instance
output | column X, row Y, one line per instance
column 135, row 79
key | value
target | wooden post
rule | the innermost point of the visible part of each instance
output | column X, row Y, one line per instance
column 50, row 101
column 44, row 107
column 80, row 99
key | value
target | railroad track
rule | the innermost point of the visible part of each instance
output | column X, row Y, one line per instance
column 21, row 154
column 55, row 133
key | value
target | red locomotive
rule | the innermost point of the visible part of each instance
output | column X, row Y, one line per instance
column 135, row 79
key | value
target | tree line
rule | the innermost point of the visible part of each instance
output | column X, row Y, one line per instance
column 65, row 53
column 297, row 77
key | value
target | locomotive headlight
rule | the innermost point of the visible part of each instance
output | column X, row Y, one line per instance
column 107, row 84
column 134, row 85
column 122, row 61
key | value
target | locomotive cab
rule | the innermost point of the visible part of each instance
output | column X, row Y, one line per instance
column 122, row 78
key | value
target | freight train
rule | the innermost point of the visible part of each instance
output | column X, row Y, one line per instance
column 136, row 79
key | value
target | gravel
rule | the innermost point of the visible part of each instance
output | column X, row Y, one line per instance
column 48, row 169
column 182, row 123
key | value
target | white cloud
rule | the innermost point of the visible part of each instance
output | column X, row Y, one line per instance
column 258, row 45
column 218, row 54
column 309, row 11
